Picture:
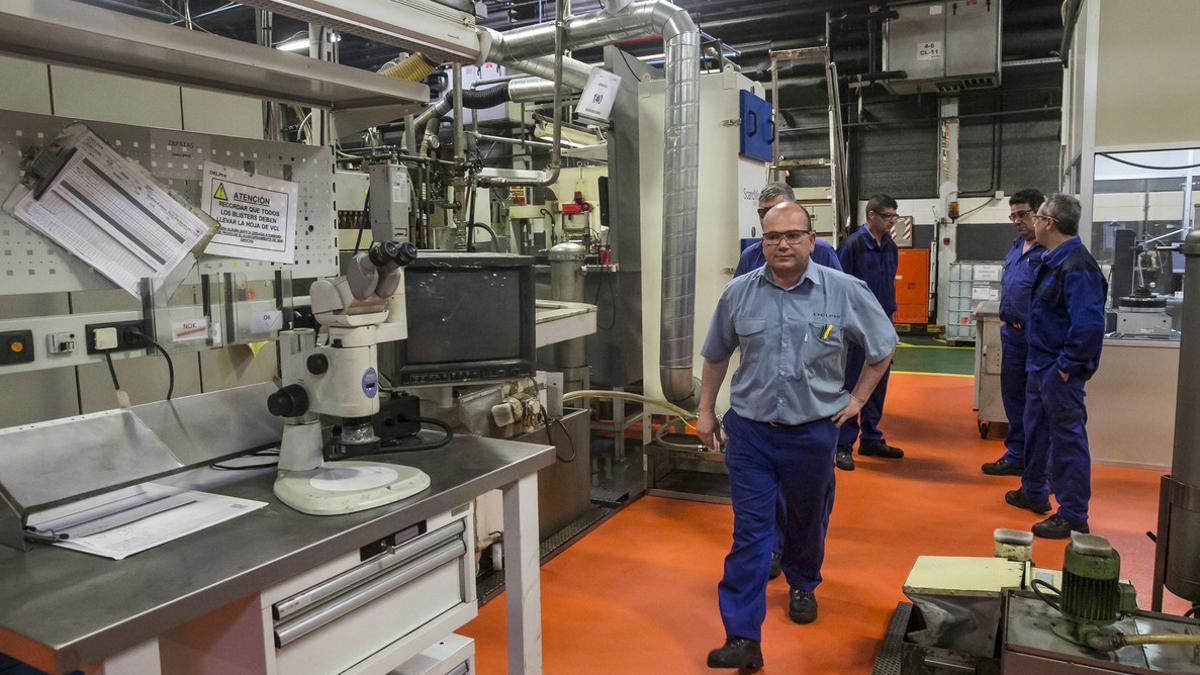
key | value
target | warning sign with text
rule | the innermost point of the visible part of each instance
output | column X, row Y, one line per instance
column 257, row 214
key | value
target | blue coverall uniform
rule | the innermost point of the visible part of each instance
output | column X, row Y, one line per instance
column 781, row 438
column 875, row 263
column 1066, row 331
column 752, row 259
column 1015, row 288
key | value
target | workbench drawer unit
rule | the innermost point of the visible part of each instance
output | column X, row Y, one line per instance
column 369, row 616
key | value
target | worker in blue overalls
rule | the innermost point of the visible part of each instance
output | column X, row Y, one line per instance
column 752, row 259
column 870, row 254
column 1066, row 331
column 791, row 320
column 1019, row 267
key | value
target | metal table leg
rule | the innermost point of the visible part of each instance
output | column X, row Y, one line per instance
column 523, row 592
column 142, row 659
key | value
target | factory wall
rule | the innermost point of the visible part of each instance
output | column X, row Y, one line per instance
column 894, row 145
column 1134, row 81
column 29, row 86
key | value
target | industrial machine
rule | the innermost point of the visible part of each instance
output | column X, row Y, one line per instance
column 1004, row 615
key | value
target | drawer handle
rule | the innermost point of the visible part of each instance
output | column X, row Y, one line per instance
column 315, row 595
column 333, row 610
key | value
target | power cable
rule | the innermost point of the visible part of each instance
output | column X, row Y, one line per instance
column 1181, row 167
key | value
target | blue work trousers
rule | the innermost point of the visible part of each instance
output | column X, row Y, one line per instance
column 765, row 461
column 872, row 411
column 1057, row 459
column 1013, row 350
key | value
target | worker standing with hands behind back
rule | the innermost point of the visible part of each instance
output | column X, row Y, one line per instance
column 792, row 321
column 1020, row 265
column 870, row 254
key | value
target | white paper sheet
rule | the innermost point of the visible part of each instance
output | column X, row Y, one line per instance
column 91, row 525
column 105, row 209
column 257, row 214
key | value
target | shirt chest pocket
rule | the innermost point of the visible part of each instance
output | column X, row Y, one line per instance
column 1050, row 290
column 751, row 332
column 822, row 351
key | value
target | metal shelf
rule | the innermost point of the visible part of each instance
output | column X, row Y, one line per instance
column 72, row 33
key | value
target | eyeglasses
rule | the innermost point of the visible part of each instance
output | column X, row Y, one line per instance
column 890, row 217
column 791, row 237
column 1038, row 216
column 1020, row 215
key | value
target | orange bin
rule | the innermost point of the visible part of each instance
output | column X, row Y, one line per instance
column 912, row 286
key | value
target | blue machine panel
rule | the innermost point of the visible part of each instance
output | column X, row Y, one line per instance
column 758, row 129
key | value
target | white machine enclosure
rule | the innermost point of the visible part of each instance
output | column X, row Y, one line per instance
column 727, row 208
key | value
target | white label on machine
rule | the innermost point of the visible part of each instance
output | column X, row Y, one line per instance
column 596, row 101
column 934, row 10
column 189, row 330
column 984, row 293
column 257, row 214
column 987, row 272
column 929, row 51
column 265, row 322
column 110, row 213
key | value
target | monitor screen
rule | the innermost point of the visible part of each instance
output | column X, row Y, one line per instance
column 470, row 316
column 457, row 315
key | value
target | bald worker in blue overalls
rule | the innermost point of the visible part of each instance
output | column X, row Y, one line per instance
column 1066, row 332
column 753, row 258
column 1016, row 285
column 791, row 321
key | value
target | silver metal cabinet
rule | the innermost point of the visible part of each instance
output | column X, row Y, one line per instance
column 987, row 400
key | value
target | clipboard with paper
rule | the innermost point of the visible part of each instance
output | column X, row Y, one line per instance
column 109, row 212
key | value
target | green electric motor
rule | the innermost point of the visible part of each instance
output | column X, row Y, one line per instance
column 1091, row 580
column 1092, row 596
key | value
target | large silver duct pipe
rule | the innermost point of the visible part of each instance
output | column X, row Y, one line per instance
column 1182, row 487
column 681, row 154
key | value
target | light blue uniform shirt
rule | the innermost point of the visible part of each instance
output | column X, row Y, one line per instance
column 794, row 340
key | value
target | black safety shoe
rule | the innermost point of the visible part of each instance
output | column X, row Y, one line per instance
column 802, row 606
column 737, row 653
column 1057, row 527
column 1002, row 467
column 844, row 460
column 879, row 448
column 776, row 567
column 1021, row 500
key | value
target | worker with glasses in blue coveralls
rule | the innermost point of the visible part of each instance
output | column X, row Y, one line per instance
column 753, row 258
column 792, row 321
column 1020, row 265
column 1066, row 332
column 870, row 254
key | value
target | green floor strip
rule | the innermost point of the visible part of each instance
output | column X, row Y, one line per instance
column 924, row 354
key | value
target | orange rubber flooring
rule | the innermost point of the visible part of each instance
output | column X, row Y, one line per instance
column 638, row 594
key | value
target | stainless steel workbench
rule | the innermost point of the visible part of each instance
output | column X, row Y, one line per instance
column 61, row 610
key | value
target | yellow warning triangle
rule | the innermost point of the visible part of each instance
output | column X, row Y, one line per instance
column 220, row 193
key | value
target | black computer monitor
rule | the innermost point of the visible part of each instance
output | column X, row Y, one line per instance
column 471, row 317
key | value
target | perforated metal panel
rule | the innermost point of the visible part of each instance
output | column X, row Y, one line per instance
column 30, row 263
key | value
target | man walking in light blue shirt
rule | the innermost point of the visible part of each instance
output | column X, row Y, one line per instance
column 753, row 258
column 792, row 322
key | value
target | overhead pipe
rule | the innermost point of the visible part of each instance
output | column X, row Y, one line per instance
column 681, row 154
column 550, row 174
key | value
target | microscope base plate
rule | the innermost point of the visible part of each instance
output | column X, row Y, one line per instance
column 345, row 487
